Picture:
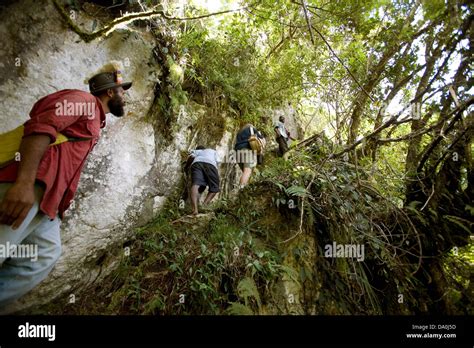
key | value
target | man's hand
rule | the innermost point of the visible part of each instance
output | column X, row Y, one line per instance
column 16, row 204
column 20, row 197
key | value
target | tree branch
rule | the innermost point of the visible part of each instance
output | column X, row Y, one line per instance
column 305, row 10
column 455, row 141
column 393, row 120
column 438, row 139
column 342, row 63
column 129, row 18
column 282, row 41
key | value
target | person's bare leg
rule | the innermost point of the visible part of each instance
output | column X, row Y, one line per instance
column 244, row 179
column 194, row 198
column 209, row 197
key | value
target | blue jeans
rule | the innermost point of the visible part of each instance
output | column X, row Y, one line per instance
column 38, row 246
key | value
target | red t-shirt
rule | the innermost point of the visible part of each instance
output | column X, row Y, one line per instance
column 76, row 114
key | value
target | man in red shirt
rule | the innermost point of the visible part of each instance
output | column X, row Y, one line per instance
column 36, row 190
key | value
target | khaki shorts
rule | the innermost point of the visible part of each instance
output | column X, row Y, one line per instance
column 247, row 165
column 246, row 159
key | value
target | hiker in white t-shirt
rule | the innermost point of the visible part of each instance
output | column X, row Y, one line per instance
column 204, row 173
column 282, row 136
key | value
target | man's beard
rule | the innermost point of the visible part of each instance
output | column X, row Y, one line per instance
column 116, row 105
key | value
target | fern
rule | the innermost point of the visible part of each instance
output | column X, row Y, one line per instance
column 297, row 191
column 247, row 289
column 237, row 308
column 462, row 223
column 291, row 273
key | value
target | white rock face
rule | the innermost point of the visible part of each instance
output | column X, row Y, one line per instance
column 130, row 172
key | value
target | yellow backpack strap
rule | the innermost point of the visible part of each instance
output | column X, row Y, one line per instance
column 10, row 144
column 60, row 138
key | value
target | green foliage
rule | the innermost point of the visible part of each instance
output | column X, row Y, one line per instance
column 247, row 289
column 206, row 265
column 229, row 61
column 466, row 225
column 237, row 308
column 344, row 203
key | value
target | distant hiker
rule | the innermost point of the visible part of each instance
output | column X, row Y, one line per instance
column 282, row 136
column 39, row 184
column 204, row 173
column 248, row 146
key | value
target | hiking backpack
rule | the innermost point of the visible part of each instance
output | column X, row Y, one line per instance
column 256, row 144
